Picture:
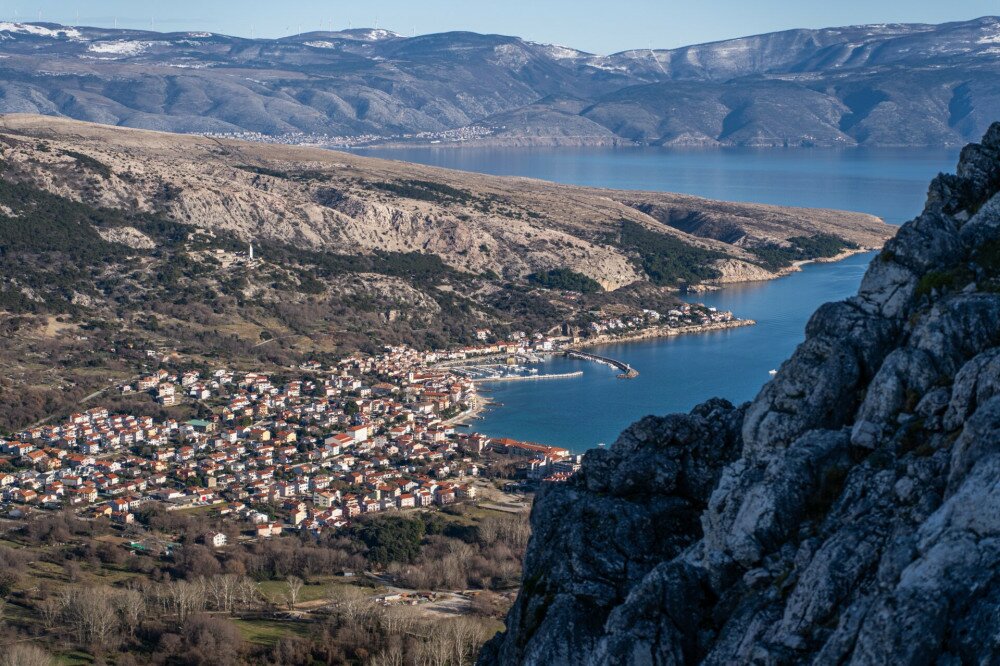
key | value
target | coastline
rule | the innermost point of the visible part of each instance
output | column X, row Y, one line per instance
column 470, row 414
column 526, row 378
column 796, row 267
column 660, row 332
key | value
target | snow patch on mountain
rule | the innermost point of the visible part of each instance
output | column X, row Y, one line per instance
column 510, row 55
column 560, row 52
column 40, row 30
column 120, row 48
column 376, row 35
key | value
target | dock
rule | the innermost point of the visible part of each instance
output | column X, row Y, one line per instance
column 627, row 371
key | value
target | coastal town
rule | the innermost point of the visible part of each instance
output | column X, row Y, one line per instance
column 309, row 449
column 453, row 136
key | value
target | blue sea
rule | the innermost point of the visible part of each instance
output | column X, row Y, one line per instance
column 678, row 373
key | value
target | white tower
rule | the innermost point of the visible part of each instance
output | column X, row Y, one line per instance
column 251, row 251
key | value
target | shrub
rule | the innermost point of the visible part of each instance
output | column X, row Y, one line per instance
column 565, row 279
column 668, row 260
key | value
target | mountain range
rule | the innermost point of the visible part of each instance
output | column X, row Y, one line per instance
column 874, row 85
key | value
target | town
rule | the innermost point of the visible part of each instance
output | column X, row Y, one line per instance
column 457, row 135
column 311, row 452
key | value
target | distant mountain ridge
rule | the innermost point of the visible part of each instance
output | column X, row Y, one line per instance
column 880, row 85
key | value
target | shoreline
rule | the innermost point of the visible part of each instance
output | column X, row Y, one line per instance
column 606, row 141
column 796, row 267
column 527, row 378
column 470, row 414
column 658, row 332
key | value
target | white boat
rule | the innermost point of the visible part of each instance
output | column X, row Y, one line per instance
column 772, row 372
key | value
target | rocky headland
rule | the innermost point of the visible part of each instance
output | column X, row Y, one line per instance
column 850, row 514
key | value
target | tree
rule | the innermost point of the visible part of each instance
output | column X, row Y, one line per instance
column 90, row 613
column 294, row 587
column 349, row 603
column 131, row 606
column 25, row 654
column 211, row 641
column 50, row 609
column 391, row 539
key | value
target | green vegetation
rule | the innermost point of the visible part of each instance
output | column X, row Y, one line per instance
column 423, row 190
column 565, row 279
column 668, row 260
column 89, row 162
column 988, row 257
column 936, row 281
column 50, row 245
column 774, row 257
column 297, row 176
column 439, row 193
column 390, row 539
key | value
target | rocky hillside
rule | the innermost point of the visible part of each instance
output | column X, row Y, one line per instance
column 871, row 85
column 326, row 201
column 849, row 514
column 118, row 242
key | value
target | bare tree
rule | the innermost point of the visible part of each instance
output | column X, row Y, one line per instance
column 467, row 637
column 225, row 591
column 131, row 606
column 90, row 614
column 349, row 603
column 186, row 597
column 389, row 656
column 294, row 587
column 247, row 594
column 50, row 609
column 25, row 654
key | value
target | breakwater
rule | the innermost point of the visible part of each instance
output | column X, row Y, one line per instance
column 628, row 372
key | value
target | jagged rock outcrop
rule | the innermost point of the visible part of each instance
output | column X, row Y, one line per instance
column 849, row 514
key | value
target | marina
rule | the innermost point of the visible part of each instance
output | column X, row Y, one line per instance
column 529, row 377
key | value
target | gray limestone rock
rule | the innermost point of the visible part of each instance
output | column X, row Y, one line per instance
column 849, row 515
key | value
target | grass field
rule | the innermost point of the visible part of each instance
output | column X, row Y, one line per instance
column 269, row 632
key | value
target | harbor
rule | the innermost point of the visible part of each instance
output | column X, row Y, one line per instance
column 528, row 377
column 627, row 371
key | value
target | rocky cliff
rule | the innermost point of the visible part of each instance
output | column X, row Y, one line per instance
column 849, row 514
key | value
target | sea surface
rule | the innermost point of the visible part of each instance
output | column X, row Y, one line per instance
column 678, row 373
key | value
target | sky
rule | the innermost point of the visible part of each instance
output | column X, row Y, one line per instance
column 598, row 26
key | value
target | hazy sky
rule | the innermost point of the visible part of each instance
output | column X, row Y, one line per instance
column 600, row 26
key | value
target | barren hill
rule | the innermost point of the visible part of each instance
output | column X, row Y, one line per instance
column 341, row 203
column 117, row 243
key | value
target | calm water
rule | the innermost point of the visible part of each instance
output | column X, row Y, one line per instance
column 889, row 183
column 678, row 373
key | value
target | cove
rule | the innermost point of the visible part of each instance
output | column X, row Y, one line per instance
column 679, row 373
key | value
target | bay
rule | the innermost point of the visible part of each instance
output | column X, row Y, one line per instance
column 678, row 373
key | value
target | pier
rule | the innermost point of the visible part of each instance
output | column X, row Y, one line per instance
column 628, row 372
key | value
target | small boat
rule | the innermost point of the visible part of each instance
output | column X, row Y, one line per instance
column 772, row 372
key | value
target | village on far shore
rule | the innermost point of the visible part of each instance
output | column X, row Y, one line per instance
column 311, row 451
